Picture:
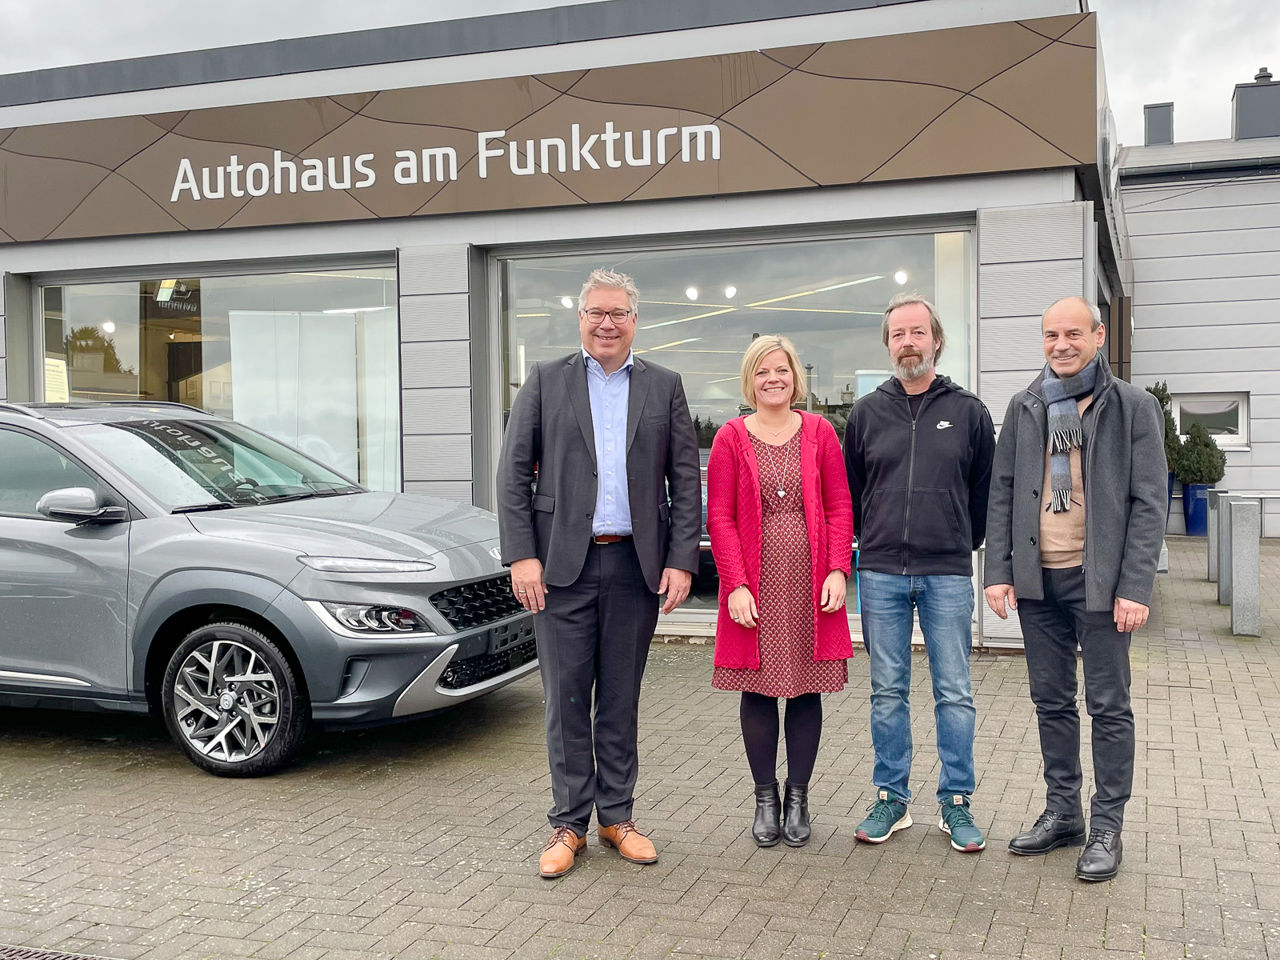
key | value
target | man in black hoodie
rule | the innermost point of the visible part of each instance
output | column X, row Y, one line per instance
column 918, row 450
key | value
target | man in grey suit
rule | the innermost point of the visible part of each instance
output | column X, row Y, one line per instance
column 599, row 510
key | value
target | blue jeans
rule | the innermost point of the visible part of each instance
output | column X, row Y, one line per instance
column 945, row 605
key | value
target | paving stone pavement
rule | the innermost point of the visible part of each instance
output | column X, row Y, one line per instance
column 422, row 840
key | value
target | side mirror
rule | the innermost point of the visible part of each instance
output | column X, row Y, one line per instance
column 79, row 505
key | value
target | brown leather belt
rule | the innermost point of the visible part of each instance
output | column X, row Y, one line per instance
column 611, row 538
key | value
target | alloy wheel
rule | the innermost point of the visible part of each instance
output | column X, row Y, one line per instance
column 226, row 701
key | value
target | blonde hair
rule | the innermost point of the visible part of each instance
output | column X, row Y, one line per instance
column 760, row 348
column 602, row 277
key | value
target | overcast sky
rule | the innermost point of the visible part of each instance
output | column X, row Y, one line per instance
column 1192, row 52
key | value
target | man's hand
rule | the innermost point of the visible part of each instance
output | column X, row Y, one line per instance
column 675, row 584
column 527, row 585
column 998, row 595
column 1129, row 614
column 832, row 598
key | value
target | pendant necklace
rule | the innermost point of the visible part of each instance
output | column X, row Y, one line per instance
column 779, row 481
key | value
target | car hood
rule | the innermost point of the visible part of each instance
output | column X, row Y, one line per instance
column 376, row 526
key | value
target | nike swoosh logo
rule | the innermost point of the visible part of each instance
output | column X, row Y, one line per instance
column 943, row 424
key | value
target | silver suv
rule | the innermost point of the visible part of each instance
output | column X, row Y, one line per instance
column 156, row 557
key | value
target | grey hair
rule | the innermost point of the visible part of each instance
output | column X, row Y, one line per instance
column 603, row 277
column 1095, row 315
column 935, row 324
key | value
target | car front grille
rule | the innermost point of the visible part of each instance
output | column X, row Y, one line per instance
column 475, row 604
column 515, row 649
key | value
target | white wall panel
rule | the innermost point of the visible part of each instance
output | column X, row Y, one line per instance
column 1144, row 222
column 1015, row 235
column 440, row 269
column 1209, row 335
column 3, row 389
column 437, row 458
column 1206, row 291
column 444, row 364
column 998, row 389
column 1257, row 264
column 1199, row 195
column 1146, row 315
column 1209, row 359
column 435, row 317
column 1204, row 242
column 460, row 490
column 444, row 410
column 1010, row 343
column 1026, row 289
column 2, row 353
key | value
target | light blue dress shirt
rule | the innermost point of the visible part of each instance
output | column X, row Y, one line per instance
column 610, row 394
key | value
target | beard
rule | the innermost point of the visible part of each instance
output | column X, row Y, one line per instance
column 912, row 366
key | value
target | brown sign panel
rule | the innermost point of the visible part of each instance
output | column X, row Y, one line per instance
column 997, row 97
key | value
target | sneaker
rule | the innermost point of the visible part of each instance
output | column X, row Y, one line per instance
column 888, row 815
column 957, row 821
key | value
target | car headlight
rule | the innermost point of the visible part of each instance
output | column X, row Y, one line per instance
column 372, row 619
column 357, row 565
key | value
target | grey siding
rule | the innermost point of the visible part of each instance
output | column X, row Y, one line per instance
column 435, row 370
column 1028, row 257
column 1206, row 270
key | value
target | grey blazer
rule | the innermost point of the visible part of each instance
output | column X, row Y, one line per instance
column 1125, row 493
column 549, row 437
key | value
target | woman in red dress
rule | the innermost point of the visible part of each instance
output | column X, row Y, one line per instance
column 781, row 526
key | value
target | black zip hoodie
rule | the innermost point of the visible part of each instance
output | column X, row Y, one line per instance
column 919, row 483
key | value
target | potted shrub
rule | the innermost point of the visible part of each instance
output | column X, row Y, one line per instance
column 1172, row 442
column 1200, row 465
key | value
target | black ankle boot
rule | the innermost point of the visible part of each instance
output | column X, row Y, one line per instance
column 768, row 813
column 795, row 815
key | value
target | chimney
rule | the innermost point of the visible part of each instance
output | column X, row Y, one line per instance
column 1159, row 125
column 1256, row 108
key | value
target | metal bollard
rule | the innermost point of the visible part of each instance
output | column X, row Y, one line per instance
column 1245, row 518
column 1215, row 512
column 1224, row 550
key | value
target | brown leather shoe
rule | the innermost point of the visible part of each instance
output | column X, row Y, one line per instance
column 630, row 842
column 561, row 853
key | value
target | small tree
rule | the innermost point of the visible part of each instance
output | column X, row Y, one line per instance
column 1172, row 442
column 1200, row 460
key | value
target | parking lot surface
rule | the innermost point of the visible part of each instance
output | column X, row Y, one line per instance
column 421, row 840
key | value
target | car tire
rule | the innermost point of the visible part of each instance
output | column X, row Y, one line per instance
column 232, row 702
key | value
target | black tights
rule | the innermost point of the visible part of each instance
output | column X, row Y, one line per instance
column 760, row 735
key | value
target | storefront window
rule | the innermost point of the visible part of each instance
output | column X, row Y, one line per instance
column 309, row 358
column 699, row 309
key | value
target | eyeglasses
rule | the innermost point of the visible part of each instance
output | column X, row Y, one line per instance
column 596, row 317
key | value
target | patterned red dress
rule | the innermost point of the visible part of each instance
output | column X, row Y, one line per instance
column 785, row 627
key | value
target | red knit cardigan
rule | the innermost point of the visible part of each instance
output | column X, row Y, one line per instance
column 734, row 524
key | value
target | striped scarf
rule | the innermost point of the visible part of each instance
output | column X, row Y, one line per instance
column 1066, row 433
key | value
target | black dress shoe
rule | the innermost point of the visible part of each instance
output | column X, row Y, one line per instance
column 1100, row 859
column 765, row 830
column 795, row 815
column 1050, row 831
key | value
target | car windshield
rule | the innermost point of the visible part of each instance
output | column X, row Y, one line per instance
column 210, row 464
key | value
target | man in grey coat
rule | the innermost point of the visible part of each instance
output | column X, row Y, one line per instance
column 1074, row 526
column 599, row 512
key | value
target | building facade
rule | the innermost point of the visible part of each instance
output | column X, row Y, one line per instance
column 1203, row 224
column 361, row 244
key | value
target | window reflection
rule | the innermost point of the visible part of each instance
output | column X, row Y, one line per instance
column 308, row 357
column 700, row 308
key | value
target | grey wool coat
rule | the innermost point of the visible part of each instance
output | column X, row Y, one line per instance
column 1125, row 493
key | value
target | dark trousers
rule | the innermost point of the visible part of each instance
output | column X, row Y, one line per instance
column 593, row 639
column 1051, row 629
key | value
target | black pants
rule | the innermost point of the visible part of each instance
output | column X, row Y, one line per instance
column 1051, row 629
column 593, row 639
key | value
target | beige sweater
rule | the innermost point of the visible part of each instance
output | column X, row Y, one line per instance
column 1062, row 534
